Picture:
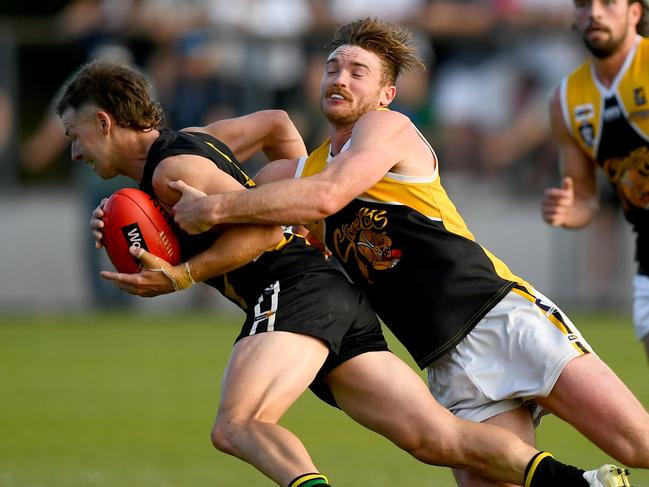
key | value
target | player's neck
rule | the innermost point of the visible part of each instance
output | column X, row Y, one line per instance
column 139, row 145
column 608, row 68
column 339, row 137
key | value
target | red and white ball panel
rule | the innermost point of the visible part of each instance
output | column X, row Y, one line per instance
column 133, row 218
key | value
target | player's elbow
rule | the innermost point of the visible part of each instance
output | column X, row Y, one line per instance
column 279, row 118
column 280, row 125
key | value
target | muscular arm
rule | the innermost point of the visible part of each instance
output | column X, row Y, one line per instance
column 235, row 245
column 379, row 141
column 575, row 203
column 269, row 131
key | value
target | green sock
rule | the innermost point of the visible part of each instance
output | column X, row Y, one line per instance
column 310, row 480
column 544, row 471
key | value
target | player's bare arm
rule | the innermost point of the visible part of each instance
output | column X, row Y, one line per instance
column 276, row 171
column 226, row 254
column 575, row 202
column 269, row 131
column 378, row 142
column 193, row 211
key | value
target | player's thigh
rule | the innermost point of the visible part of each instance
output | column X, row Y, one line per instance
column 518, row 421
column 594, row 400
column 267, row 372
column 381, row 392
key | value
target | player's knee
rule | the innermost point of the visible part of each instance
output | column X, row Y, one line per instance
column 224, row 434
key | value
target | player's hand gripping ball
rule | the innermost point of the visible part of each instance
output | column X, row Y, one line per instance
column 133, row 218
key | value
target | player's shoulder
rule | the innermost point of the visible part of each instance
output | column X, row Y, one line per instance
column 385, row 118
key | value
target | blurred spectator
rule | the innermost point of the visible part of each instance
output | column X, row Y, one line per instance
column 396, row 12
column 304, row 106
column 542, row 51
column 472, row 82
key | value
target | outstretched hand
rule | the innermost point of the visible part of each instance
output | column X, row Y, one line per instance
column 157, row 276
column 192, row 211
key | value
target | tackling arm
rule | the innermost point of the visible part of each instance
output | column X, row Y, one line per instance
column 376, row 148
column 233, row 247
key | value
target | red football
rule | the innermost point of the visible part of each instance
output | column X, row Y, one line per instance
column 133, row 218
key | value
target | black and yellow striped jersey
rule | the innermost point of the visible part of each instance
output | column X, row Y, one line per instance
column 243, row 286
column 611, row 125
column 405, row 244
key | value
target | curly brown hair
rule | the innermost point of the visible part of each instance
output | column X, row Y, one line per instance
column 391, row 43
column 119, row 89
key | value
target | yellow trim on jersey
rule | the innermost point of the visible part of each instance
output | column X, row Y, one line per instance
column 535, row 463
column 249, row 182
column 317, row 160
column 285, row 241
column 634, row 88
column 582, row 105
column 426, row 197
column 582, row 98
column 229, row 292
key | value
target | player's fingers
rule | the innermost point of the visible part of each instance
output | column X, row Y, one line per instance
column 99, row 211
column 553, row 214
column 567, row 184
column 179, row 185
column 558, row 197
column 122, row 282
column 98, row 236
column 185, row 188
column 96, row 223
column 149, row 260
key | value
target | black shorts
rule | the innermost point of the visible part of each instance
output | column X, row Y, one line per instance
column 322, row 304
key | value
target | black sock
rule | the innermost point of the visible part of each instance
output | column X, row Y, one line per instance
column 544, row 471
column 309, row 480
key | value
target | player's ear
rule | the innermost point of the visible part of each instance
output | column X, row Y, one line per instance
column 637, row 11
column 387, row 95
column 104, row 122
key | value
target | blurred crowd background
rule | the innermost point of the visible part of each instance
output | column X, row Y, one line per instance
column 482, row 102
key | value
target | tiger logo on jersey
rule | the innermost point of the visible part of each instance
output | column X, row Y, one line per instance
column 631, row 177
column 363, row 238
column 375, row 250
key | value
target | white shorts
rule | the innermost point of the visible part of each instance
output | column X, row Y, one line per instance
column 641, row 306
column 514, row 354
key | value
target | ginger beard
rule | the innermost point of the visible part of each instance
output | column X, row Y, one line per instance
column 348, row 111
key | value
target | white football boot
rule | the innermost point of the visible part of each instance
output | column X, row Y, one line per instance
column 608, row 476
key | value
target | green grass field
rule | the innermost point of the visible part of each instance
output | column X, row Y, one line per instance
column 128, row 400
